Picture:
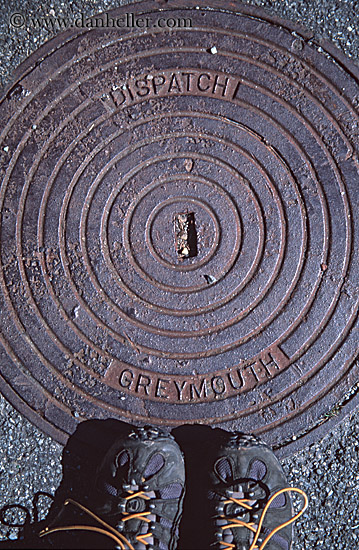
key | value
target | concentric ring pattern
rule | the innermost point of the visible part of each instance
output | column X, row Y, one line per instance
column 108, row 138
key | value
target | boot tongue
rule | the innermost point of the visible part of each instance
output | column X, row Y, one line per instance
column 234, row 510
column 135, row 505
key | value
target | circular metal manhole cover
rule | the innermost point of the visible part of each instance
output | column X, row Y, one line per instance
column 179, row 229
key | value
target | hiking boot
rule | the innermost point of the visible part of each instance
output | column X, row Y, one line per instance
column 138, row 495
column 249, row 497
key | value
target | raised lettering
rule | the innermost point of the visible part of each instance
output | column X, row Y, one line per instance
column 234, row 95
column 174, row 84
column 143, row 89
column 126, row 379
column 218, row 385
column 250, row 379
column 188, row 80
column 157, row 83
column 259, row 371
column 199, row 392
column 275, row 360
column 162, row 387
column 236, row 385
column 199, row 86
column 180, row 389
column 217, row 84
column 130, row 92
column 143, row 382
column 118, row 97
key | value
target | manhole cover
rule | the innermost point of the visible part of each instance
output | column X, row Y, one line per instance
column 179, row 229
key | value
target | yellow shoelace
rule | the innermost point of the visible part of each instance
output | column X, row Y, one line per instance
column 235, row 522
column 109, row 531
column 124, row 543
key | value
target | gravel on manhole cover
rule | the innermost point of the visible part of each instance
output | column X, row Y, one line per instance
column 179, row 224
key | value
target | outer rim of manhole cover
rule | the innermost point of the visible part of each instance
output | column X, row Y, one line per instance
column 298, row 425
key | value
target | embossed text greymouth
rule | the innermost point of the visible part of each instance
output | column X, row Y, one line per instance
column 199, row 388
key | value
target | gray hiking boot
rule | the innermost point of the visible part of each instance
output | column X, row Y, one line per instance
column 249, row 497
column 137, row 500
column 142, row 483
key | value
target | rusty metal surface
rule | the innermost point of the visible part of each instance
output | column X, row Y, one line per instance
column 179, row 226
